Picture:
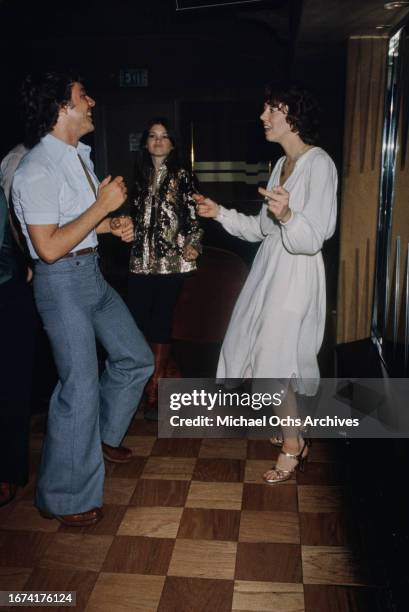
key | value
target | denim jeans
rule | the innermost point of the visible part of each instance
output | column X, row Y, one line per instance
column 77, row 306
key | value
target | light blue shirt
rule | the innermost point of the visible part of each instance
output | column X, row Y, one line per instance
column 50, row 187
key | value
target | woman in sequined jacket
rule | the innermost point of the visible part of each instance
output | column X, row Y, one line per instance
column 165, row 248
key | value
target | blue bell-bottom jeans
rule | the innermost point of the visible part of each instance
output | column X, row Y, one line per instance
column 77, row 306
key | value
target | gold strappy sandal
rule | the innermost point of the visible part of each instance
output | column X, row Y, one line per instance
column 283, row 475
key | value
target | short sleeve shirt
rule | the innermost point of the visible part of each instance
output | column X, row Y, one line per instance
column 8, row 168
column 51, row 187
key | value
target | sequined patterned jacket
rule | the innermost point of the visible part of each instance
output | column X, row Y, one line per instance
column 165, row 221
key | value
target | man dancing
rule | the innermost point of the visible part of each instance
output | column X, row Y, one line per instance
column 62, row 208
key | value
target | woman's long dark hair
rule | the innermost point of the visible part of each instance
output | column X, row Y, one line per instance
column 144, row 164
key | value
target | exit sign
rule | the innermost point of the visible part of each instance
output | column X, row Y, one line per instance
column 133, row 77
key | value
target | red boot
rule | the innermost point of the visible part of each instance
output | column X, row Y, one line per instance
column 8, row 492
column 161, row 353
column 172, row 370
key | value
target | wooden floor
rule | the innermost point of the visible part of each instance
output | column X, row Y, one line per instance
column 189, row 526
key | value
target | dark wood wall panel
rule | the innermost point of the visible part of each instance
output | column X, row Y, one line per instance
column 360, row 184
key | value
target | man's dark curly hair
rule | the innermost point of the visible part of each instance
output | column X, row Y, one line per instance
column 42, row 97
column 303, row 110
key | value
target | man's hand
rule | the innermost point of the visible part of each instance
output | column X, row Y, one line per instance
column 52, row 242
column 190, row 253
column 278, row 200
column 123, row 228
column 112, row 193
column 206, row 207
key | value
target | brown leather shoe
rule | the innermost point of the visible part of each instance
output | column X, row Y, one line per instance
column 8, row 492
column 116, row 454
column 81, row 519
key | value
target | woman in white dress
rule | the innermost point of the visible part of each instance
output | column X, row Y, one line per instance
column 277, row 325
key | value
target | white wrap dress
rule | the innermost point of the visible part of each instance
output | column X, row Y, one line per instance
column 277, row 325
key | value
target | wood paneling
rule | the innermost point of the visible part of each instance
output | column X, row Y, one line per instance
column 209, row 524
column 188, row 594
column 259, row 561
column 188, row 545
column 332, row 565
column 203, row 559
column 360, row 185
column 160, row 493
column 126, row 593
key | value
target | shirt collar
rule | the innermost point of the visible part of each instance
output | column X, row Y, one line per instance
column 58, row 148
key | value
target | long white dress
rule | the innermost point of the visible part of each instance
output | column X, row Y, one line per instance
column 277, row 325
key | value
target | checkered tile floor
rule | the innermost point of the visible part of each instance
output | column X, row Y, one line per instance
column 189, row 526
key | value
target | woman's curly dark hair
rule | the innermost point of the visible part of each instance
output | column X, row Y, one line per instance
column 144, row 165
column 42, row 97
column 303, row 109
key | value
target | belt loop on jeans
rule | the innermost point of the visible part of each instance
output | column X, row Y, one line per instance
column 80, row 252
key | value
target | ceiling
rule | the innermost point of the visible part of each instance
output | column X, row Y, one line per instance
column 307, row 20
column 315, row 31
column 308, row 27
column 335, row 20
column 324, row 21
column 306, row 30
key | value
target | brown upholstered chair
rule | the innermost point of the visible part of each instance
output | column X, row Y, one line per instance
column 208, row 298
